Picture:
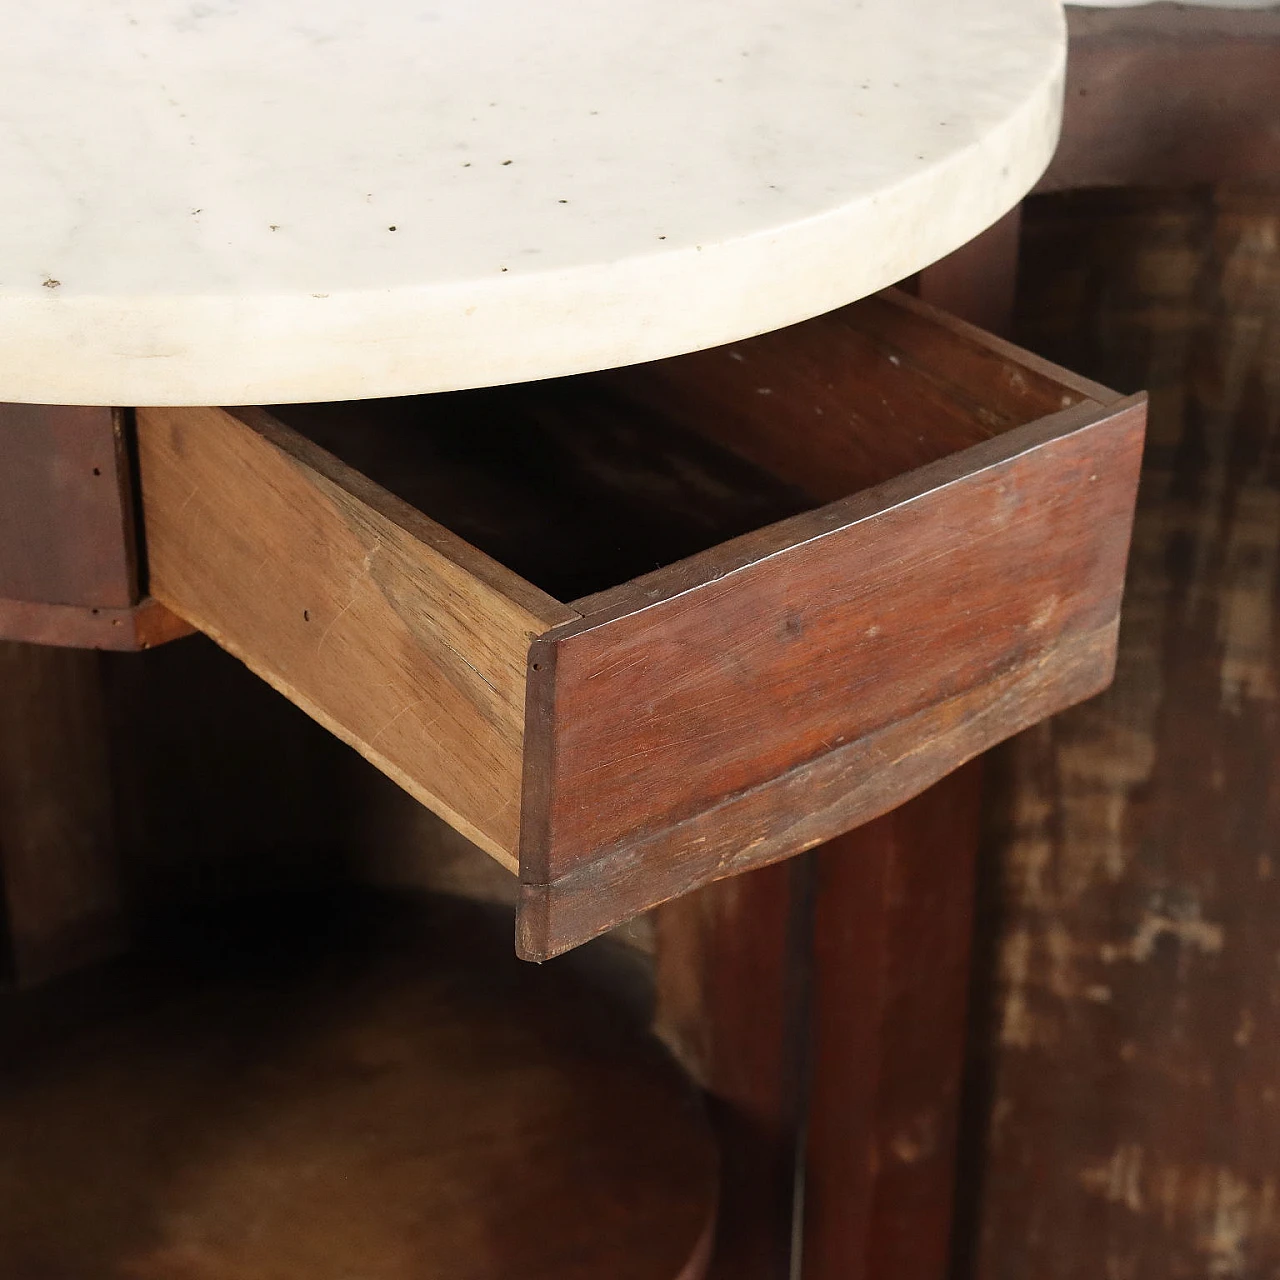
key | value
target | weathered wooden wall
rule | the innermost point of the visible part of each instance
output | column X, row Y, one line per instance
column 1129, row 1040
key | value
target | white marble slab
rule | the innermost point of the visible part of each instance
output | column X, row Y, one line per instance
column 247, row 201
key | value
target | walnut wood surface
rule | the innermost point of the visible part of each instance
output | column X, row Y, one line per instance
column 572, row 483
column 858, row 396
column 137, row 627
column 733, row 977
column 893, row 914
column 767, row 698
column 306, row 1089
column 402, row 639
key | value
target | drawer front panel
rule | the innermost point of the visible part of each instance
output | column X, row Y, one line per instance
column 961, row 602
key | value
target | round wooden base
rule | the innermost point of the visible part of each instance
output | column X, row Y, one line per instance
column 307, row 1090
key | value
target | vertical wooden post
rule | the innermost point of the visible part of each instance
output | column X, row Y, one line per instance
column 733, row 970
column 893, row 912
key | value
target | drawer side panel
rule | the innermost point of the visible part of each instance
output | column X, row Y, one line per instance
column 395, row 645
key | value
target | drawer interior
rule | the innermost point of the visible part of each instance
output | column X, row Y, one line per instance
column 569, row 483
column 580, row 484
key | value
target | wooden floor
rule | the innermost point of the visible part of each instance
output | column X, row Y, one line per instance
column 1129, row 1047
column 347, row 1088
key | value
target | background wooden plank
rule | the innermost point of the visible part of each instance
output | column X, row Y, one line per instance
column 1133, row 1042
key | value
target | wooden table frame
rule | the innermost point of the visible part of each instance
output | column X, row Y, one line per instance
column 832, row 1040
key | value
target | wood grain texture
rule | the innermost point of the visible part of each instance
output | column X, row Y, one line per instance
column 1169, row 94
column 856, row 397
column 890, row 963
column 385, row 627
column 1132, row 1037
column 324, row 1087
column 66, row 508
column 697, row 706
column 570, row 483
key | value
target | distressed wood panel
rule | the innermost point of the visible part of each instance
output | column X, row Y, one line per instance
column 750, row 703
column 1134, row 1037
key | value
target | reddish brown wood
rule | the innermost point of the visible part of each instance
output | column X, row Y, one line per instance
column 70, row 569
column 757, row 700
column 856, row 397
column 1169, row 94
column 140, row 626
column 733, row 980
column 891, row 942
column 66, row 515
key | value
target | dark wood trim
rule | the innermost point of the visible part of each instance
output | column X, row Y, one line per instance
column 1169, row 95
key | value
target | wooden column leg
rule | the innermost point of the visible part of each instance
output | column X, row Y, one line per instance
column 733, row 968
column 893, row 916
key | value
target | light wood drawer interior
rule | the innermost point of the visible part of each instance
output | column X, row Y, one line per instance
column 637, row 630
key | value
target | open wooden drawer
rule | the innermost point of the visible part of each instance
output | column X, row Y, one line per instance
column 634, row 631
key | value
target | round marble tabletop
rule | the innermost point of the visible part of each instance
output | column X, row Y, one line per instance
column 251, row 201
